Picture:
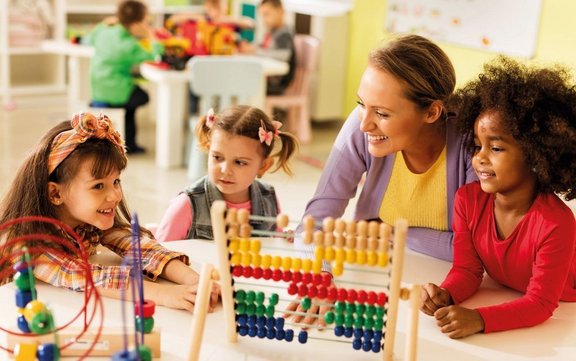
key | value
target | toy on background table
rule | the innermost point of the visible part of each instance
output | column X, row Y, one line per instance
column 257, row 286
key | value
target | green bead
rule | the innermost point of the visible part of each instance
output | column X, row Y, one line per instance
column 350, row 308
column 240, row 295
column 42, row 323
column 22, row 281
column 339, row 320
column 260, row 297
column 369, row 323
column 306, row 303
column 360, row 309
column 348, row 320
column 250, row 309
column 270, row 310
column 370, row 311
column 274, row 299
column 148, row 324
column 339, row 307
column 380, row 312
column 359, row 322
column 329, row 317
column 241, row 308
column 145, row 353
column 260, row 310
column 378, row 324
column 250, row 297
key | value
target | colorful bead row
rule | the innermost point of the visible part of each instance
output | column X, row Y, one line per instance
column 251, row 309
column 144, row 319
column 337, row 294
column 279, row 275
column 355, row 320
column 351, row 256
column 369, row 344
column 255, row 297
column 276, row 262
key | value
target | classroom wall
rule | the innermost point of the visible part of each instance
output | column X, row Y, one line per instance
column 556, row 42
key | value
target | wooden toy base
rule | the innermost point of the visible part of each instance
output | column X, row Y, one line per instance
column 111, row 341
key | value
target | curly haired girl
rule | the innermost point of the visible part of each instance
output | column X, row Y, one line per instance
column 521, row 123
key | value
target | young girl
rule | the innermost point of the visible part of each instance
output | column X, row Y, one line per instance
column 521, row 123
column 240, row 142
column 73, row 175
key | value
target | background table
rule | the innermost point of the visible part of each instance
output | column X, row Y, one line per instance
column 553, row 340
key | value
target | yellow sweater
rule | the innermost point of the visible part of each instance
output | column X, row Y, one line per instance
column 419, row 198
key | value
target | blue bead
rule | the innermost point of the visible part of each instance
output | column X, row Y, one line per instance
column 280, row 335
column 368, row 334
column 289, row 335
column 348, row 332
column 271, row 334
column 125, row 356
column 358, row 333
column 242, row 320
column 253, row 331
column 22, row 298
column 48, row 352
column 339, row 331
column 261, row 322
column 243, row 330
column 280, row 323
column 303, row 336
column 367, row 345
column 376, row 347
column 357, row 343
column 252, row 321
column 270, row 322
column 261, row 332
column 377, row 336
column 23, row 324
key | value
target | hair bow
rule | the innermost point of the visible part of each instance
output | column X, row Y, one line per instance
column 267, row 136
column 210, row 117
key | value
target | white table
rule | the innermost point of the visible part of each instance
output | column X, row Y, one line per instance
column 172, row 93
column 553, row 340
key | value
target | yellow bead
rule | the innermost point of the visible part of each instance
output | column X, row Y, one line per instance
column 256, row 260
column 351, row 256
column 361, row 257
column 372, row 258
column 306, row 265
column 382, row 259
column 246, row 259
column 340, row 255
column 244, row 245
column 276, row 262
column 255, row 246
column 296, row 264
column 329, row 254
column 338, row 269
column 32, row 309
column 235, row 259
column 317, row 266
column 25, row 352
column 286, row 263
column 266, row 261
column 234, row 246
column 319, row 253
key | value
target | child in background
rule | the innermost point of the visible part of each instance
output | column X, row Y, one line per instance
column 521, row 122
column 215, row 11
column 117, row 54
column 278, row 43
column 73, row 175
column 241, row 144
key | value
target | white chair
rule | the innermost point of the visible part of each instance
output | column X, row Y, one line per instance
column 221, row 82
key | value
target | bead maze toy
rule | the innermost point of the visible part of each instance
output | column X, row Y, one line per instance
column 366, row 317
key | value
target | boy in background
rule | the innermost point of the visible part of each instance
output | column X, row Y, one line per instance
column 118, row 53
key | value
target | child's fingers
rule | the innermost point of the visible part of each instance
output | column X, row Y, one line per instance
column 428, row 309
column 312, row 316
column 298, row 318
column 441, row 312
column 321, row 322
column 449, row 327
column 290, row 308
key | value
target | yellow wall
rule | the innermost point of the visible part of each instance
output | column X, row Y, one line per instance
column 556, row 42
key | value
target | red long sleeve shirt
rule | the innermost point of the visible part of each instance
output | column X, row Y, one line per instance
column 538, row 258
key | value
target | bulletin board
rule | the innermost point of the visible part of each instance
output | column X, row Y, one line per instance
column 503, row 26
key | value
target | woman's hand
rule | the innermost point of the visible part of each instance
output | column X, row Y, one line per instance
column 458, row 322
column 433, row 298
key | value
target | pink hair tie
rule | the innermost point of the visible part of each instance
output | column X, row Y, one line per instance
column 210, row 117
column 267, row 136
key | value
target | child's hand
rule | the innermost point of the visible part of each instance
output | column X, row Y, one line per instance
column 434, row 298
column 458, row 322
column 182, row 297
column 315, row 313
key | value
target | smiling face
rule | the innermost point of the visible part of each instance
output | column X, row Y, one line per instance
column 498, row 159
column 85, row 199
column 392, row 122
column 234, row 162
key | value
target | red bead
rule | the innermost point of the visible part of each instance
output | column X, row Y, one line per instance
column 277, row 275
column 287, row 276
column 342, row 294
column 307, row 278
column 148, row 309
column 257, row 273
column 297, row 277
column 361, row 296
column 312, row 291
column 322, row 292
column 326, row 279
column 302, row 290
column 382, row 298
column 371, row 298
column 352, row 295
column 267, row 274
column 247, row 272
column 237, row 272
column 317, row 279
column 332, row 293
column 292, row 289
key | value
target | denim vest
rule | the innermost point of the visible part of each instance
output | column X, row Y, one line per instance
column 203, row 193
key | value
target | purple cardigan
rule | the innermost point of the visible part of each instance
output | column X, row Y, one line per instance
column 349, row 159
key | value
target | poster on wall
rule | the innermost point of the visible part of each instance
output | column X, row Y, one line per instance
column 507, row 27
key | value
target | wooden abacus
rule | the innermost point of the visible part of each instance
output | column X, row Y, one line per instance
column 369, row 316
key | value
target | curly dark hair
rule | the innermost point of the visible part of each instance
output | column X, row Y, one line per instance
column 538, row 107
